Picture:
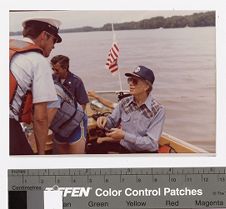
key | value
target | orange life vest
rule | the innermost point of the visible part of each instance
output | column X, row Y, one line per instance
column 25, row 110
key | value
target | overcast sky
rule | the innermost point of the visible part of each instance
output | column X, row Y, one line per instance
column 71, row 19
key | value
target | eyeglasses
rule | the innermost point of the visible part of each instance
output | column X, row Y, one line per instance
column 52, row 36
column 133, row 80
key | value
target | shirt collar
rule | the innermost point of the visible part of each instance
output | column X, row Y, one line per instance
column 69, row 74
column 130, row 100
column 148, row 102
column 28, row 40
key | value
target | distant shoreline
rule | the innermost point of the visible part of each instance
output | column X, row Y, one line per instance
column 195, row 20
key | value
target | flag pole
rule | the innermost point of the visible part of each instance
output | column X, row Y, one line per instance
column 119, row 74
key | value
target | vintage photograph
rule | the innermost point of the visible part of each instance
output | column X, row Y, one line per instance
column 112, row 82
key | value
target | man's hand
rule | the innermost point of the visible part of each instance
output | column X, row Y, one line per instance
column 104, row 139
column 101, row 122
column 116, row 133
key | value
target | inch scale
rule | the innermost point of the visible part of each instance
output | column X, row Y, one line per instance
column 122, row 188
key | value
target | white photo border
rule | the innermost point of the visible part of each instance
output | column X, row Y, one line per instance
column 120, row 161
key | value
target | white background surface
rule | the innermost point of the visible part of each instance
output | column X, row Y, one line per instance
column 53, row 199
column 111, row 161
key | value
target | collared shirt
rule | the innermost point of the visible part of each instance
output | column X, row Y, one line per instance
column 142, row 125
column 75, row 85
column 32, row 72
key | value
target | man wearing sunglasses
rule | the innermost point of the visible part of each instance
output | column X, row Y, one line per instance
column 31, row 83
column 140, row 116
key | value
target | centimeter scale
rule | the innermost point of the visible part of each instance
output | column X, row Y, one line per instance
column 121, row 188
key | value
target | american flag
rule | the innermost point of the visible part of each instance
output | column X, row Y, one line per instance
column 112, row 60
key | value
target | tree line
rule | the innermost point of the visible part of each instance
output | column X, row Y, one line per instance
column 194, row 20
column 201, row 19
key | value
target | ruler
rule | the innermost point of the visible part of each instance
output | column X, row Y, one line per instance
column 122, row 188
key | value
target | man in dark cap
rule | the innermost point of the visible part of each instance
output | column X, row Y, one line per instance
column 140, row 116
column 31, row 83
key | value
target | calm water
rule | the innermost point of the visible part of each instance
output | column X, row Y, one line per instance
column 184, row 64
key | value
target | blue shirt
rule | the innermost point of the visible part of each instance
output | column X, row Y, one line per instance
column 75, row 85
column 142, row 125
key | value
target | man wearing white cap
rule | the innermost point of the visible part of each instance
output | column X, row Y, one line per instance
column 31, row 84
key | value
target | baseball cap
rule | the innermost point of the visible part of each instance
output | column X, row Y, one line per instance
column 143, row 73
column 45, row 24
